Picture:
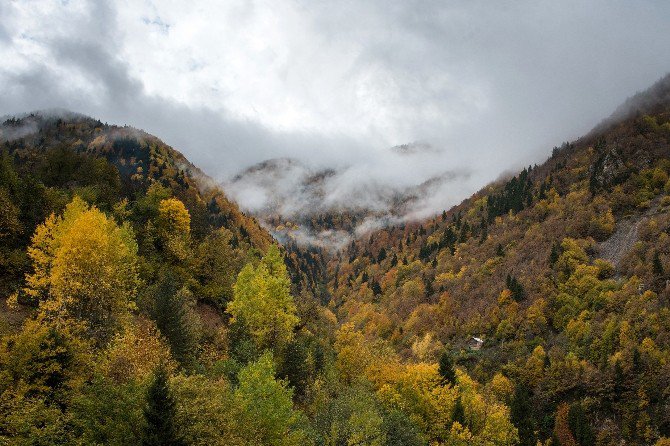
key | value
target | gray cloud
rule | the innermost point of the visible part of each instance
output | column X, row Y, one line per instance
column 487, row 86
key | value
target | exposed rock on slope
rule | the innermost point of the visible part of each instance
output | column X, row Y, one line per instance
column 624, row 237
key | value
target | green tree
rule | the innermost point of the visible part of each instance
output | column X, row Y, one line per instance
column 206, row 411
column 160, row 412
column 518, row 293
column 353, row 417
column 263, row 302
column 554, row 254
column 30, row 420
column 110, row 413
column 400, row 430
column 176, row 319
column 657, row 265
column 522, row 416
column 41, row 368
column 446, row 368
column 10, row 223
column 44, row 360
column 579, row 425
column 459, row 412
column 266, row 409
column 216, row 264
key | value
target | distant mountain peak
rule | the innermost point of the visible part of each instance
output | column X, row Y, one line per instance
column 414, row 148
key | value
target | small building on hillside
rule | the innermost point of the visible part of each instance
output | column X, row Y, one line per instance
column 475, row 343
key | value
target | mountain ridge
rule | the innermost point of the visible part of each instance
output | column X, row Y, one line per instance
column 518, row 264
column 496, row 322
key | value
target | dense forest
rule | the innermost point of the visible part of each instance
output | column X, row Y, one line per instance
column 141, row 306
column 561, row 272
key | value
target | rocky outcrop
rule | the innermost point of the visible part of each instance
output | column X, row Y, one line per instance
column 608, row 170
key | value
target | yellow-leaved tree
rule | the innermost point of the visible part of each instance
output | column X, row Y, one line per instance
column 173, row 217
column 174, row 227
column 84, row 271
column 263, row 303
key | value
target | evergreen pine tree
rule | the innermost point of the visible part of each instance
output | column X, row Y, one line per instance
column 394, row 260
column 518, row 293
column 428, row 284
column 176, row 321
column 381, row 256
column 554, row 254
column 376, row 288
column 521, row 415
column 459, row 412
column 446, row 368
column 160, row 413
column 657, row 265
column 579, row 425
column 484, row 231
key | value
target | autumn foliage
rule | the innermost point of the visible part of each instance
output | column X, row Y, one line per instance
column 142, row 307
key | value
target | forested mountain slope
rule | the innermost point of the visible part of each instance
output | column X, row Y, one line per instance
column 520, row 265
column 140, row 306
column 50, row 156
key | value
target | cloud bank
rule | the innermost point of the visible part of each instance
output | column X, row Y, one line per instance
column 487, row 86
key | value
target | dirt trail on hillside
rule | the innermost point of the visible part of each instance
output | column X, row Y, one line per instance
column 626, row 234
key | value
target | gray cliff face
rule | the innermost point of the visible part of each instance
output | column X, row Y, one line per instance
column 608, row 170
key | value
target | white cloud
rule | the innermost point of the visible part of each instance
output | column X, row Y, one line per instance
column 489, row 85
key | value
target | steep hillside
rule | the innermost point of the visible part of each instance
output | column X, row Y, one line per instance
column 314, row 213
column 48, row 157
column 139, row 306
column 520, row 266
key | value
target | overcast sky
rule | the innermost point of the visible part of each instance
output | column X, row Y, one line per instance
column 488, row 85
